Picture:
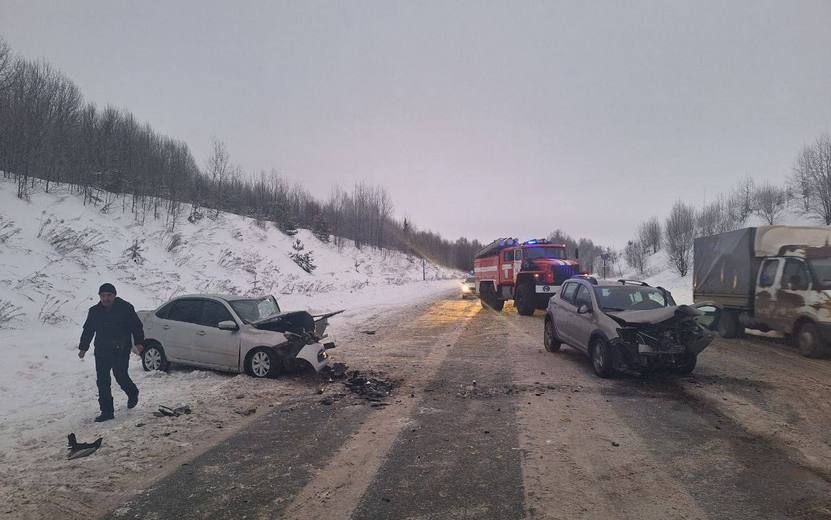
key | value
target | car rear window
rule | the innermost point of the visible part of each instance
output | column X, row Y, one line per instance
column 188, row 311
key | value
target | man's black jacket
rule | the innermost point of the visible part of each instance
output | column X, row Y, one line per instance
column 112, row 328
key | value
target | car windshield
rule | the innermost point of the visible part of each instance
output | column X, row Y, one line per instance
column 631, row 298
column 470, row 279
column 545, row 252
column 821, row 267
column 255, row 309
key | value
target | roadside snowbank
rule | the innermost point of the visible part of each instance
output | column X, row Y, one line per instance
column 55, row 252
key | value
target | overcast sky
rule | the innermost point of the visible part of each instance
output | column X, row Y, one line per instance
column 482, row 119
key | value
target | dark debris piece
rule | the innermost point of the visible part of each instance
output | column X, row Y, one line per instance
column 81, row 449
column 370, row 388
column 166, row 411
column 335, row 371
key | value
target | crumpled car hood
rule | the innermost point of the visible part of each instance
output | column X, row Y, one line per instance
column 654, row 316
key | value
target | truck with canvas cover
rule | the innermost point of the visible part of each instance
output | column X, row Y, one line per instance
column 769, row 278
column 527, row 272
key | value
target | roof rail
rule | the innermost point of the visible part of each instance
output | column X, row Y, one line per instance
column 633, row 282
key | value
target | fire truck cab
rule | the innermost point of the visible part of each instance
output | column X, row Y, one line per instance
column 527, row 272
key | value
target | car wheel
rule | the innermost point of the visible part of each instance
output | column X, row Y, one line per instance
column 262, row 362
column 809, row 340
column 153, row 358
column 686, row 364
column 524, row 300
column 549, row 337
column 601, row 357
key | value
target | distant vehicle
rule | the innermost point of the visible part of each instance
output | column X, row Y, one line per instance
column 233, row 333
column 769, row 278
column 469, row 287
column 528, row 273
column 627, row 325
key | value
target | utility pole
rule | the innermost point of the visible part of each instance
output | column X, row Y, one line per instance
column 423, row 269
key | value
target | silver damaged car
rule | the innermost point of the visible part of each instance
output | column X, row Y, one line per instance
column 232, row 333
column 628, row 325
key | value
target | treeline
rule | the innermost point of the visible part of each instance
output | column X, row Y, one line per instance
column 807, row 191
column 50, row 134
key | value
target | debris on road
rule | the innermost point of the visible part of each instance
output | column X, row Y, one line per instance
column 335, row 371
column 81, row 449
column 369, row 388
column 166, row 411
column 245, row 412
column 369, row 332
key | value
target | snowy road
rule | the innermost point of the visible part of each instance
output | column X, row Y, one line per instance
column 486, row 424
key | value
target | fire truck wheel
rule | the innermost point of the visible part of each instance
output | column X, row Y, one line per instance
column 524, row 300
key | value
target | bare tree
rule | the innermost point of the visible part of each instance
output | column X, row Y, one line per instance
column 769, row 202
column 635, row 255
column 679, row 234
column 812, row 178
column 218, row 169
column 649, row 234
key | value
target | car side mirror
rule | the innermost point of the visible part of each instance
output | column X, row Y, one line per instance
column 583, row 309
column 227, row 325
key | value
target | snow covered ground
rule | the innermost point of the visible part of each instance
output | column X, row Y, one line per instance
column 55, row 252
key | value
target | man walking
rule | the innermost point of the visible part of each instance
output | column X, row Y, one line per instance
column 116, row 327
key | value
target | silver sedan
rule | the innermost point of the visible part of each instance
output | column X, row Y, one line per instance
column 232, row 333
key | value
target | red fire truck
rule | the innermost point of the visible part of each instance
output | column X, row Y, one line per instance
column 527, row 272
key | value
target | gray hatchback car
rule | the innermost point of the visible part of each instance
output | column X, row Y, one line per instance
column 628, row 325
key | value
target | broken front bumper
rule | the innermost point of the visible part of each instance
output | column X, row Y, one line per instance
column 316, row 355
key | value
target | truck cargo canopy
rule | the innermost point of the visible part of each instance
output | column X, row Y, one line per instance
column 724, row 268
column 771, row 239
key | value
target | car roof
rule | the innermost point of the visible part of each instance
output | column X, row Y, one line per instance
column 225, row 297
column 607, row 282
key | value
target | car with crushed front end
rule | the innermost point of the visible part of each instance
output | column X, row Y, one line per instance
column 234, row 333
column 626, row 325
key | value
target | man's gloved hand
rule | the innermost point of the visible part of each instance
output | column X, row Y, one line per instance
column 81, row 354
column 139, row 349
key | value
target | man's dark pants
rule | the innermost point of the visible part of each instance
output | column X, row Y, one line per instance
column 117, row 362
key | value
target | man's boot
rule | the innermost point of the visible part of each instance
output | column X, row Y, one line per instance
column 105, row 416
column 132, row 400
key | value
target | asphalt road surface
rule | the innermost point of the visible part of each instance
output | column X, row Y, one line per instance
column 486, row 424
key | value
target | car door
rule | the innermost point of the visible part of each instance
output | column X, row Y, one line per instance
column 766, row 289
column 213, row 346
column 506, row 273
column 565, row 312
column 790, row 296
column 179, row 329
column 583, row 324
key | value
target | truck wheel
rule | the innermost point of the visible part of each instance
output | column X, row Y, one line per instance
column 489, row 299
column 549, row 337
column 729, row 325
column 602, row 358
column 524, row 300
column 809, row 340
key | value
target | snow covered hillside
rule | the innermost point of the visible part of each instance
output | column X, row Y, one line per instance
column 55, row 252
